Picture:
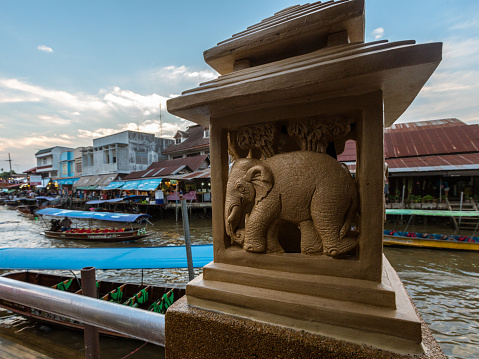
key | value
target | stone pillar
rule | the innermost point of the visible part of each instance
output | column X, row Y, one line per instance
column 297, row 237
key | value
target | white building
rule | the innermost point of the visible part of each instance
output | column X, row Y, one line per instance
column 123, row 153
column 48, row 161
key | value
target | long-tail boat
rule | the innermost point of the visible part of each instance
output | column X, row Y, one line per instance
column 146, row 297
column 133, row 225
column 407, row 238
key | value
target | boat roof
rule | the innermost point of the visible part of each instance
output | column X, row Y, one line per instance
column 429, row 212
column 104, row 258
column 101, row 216
column 45, row 198
column 98, row 201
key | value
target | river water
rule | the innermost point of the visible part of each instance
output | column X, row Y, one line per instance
column 443, row 285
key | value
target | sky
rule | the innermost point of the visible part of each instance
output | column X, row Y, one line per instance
column 72, row 71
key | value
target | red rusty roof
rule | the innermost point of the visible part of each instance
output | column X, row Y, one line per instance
column 452, row 162
column 419, row 139
column 441, row 145
column 414, row 139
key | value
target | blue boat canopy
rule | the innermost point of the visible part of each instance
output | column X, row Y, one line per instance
column 104, row 258
column 429, row 212
column 98, row 201
column 101, row 216
column 45, row 198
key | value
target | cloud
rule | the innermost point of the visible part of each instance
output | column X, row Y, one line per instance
column 73, row 119
column 45, row 48
column 55, row 120
column 127, row 99
column 21, row 91
column 182, row 72
column 452, row 90
column 378, row 33
column 35, row 141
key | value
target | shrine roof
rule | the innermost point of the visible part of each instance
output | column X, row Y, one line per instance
column 293, row 31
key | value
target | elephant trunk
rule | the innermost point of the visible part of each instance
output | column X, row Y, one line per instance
column 233, row 222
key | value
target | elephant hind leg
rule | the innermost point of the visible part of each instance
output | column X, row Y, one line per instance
column 310, row 241
column 330, row 232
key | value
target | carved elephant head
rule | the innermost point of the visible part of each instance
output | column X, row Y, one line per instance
column 249, row 183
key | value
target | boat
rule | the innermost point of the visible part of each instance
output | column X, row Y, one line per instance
column 431, row 240
column 147, row 297
column 137, row 223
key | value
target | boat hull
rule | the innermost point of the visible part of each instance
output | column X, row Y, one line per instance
column 49, row 280
column 99, row 237
column 429, row 243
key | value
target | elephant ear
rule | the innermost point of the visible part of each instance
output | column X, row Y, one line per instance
column 262, row 179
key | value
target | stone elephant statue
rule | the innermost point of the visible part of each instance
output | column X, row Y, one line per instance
column 309, row 189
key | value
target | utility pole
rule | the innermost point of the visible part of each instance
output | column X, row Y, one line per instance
column 161, row 123
column 10, row 162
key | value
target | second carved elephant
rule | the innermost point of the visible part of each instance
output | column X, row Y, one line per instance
column 311, row 190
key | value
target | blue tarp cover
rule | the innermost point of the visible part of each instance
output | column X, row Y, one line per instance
column 149, row 185
column 114, row 185
column 101, row 216
column 103, row 258
column 130, row 185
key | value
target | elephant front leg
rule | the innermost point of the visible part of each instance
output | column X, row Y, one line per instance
column 258, row 223
column 310, row 240
column 272, row 242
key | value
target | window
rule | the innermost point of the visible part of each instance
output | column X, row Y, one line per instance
column 141, row 158
column 78, row 166
column 178, row 140
column 207, row 133
column 64, row 171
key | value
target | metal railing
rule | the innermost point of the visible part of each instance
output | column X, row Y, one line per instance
column 135, row 323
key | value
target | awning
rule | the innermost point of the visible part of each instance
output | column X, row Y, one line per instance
column 149, row 185
column 114, row 185
column 94, row 182
column 88, row 188
column 14, row 185
column 130, row 185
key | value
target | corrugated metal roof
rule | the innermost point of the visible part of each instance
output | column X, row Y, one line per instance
column 157, row 172
column 193, row 162
column 439, row 137
column 194, row 175
column 194, row 139
column 452, row 162
column 431, row 138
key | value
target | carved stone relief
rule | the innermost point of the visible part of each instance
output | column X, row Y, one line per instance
column 305, row 187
